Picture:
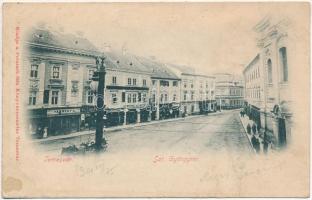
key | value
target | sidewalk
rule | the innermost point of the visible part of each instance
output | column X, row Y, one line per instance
column 118, row 128
column 245, row 121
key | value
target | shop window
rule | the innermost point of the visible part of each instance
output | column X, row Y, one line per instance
column 55, row 97
column 283, row 61
column 270, row 79
column 34, row 71
column 32, row 98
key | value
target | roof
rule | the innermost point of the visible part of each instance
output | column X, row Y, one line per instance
column 255, row 59
column 53, row 39
column 126, row 62
column 158, row 70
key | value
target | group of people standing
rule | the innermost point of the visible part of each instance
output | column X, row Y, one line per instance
column 254, row 130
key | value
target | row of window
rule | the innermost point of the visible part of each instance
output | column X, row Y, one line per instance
column 255, row 74
column 185, row 95
column 253, row 93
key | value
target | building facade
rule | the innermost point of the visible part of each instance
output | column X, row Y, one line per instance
column 276, row 117
column 229, row 91
column 57, row 76
column 60, row 69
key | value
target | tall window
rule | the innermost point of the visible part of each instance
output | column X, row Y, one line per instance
column 175, row 83
column 32, row 98
column 89, row 97
column 144, row 97
column 166, row 97
column 283, row 61
column 174, row 98
column 185, row 96
column 56, row 72
column 192, row 95
column 129, row 81
column 134, row 98
column 129, row 98
column 134, row 81
column 161, row 97
column 114, row 80
column 34, row 71
column 123, row 97
column 114, row 97
column 90, row 74
column 54, row 99
column 269, row 63
column 144, row 82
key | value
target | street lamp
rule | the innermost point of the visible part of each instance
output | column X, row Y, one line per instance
column 97, row 85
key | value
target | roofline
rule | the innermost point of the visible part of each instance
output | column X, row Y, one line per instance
column 67, row 50
column 188, row 74
column 252, row 62
column 157, row 77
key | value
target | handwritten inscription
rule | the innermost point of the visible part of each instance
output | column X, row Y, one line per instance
column 101, row 168
column 175, row 159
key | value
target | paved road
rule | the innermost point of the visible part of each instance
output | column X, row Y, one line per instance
column 200, row 134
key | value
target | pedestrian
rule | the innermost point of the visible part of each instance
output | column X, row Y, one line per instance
column 257, row 146
column 254, row 128
column 248, row 129
column 254, row 141
column 265, row 143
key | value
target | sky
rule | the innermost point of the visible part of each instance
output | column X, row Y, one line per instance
column 212, row 38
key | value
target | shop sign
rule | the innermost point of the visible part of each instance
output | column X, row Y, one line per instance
column 63, row 111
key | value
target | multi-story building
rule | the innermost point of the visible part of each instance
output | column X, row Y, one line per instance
column 275, row 65
column 126, row 90
column 254, row 90
column 55, row 64
column 197, row 91
column 229, row 91
column 165, row 90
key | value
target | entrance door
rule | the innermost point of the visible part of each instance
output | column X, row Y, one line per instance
column 281, row 132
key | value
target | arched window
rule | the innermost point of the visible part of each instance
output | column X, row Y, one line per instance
column 269, row 63
column 283, row 63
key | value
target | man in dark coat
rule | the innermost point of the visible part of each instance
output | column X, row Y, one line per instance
column 248, row 129
column 254, row 128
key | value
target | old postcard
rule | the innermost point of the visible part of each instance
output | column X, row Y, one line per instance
column 156, row 99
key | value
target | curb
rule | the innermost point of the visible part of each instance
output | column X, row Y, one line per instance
column 246, row 134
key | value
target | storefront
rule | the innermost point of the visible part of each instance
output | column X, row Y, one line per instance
column 63, row 120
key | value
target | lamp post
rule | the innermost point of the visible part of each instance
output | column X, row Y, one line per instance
column 99, row 76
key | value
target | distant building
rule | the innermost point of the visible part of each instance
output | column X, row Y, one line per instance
column 229, row 91
column 197, row 91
